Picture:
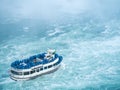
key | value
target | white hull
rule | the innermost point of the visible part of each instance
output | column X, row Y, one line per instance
column 34, row 75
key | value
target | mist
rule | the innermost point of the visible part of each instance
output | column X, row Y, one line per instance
column 54, row 9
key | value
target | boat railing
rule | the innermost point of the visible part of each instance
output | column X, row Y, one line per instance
column 32, row 61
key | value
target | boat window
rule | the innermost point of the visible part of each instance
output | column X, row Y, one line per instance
column 55, row 64
column 16, row 73
column 45, row 67
column 41, row 69
column 37, row 70
column 26, row 73
column 49, row 66
column 32, row 71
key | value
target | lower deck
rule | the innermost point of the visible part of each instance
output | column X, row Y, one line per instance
column 35, row 74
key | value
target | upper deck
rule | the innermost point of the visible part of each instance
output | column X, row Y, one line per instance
column 35, row 60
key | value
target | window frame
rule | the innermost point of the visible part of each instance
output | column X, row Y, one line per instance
column 26, row 73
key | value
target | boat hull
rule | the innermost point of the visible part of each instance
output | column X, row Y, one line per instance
column 35, row 75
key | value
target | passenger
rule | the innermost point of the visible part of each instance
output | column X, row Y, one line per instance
column 34, row 60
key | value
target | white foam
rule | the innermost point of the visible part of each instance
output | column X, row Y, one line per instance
column 56, row 31
column 6, row 81
column 26, row 29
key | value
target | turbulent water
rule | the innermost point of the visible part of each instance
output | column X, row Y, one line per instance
column 90, row 47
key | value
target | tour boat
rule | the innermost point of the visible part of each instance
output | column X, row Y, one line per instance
column 35, row 65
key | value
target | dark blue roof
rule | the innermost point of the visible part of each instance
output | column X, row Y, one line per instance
column 29, row 62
